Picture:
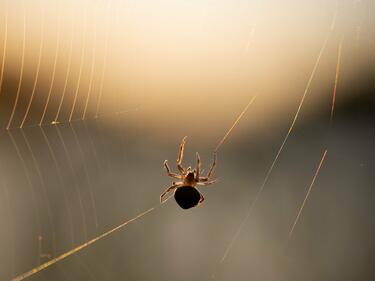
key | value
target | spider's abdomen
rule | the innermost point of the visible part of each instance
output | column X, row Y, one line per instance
column 187, row 197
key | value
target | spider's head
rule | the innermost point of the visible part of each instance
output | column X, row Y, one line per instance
column 190, row 175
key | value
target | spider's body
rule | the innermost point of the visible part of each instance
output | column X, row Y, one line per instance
column 186, row 195
column 190, row 179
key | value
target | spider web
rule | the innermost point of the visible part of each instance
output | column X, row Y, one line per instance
column 62, row 143
column 70, row 173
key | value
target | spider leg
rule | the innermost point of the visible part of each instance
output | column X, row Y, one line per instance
column 197, row 167
column 201, row 199
column 181, row 155
column 208, row 182
column 169, row 173
column 212, row 166
column 169, row 189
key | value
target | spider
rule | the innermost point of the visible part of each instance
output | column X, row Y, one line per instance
column 186, row 195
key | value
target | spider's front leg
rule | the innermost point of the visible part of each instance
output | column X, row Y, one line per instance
column 169, row 173
column 181, row 155
column 169, row 189
column 212, row 166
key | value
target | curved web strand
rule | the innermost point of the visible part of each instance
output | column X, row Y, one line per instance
column 31, row 185
column 11, row 227
column 66, row 204
column 84, row 245
column 37, row 69
column 93, row 62
column 85, row 170
column 110, row 173
column 122, row 141
column 69, row 160
column 61, row 182
column 92, row 145
column 4, row 51
column 21, row 71
column 108, row 178
column 68, row 70
column 79, row 195
column 95, row 155
column 52, row 83
column 80, row 65
column 105, row 58
column 43, row 185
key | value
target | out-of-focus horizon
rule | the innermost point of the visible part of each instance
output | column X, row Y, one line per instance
column 172, row 58
column 115, row 85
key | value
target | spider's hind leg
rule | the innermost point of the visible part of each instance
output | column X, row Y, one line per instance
column 201, row 199
column 205, row 181
column 169, row 189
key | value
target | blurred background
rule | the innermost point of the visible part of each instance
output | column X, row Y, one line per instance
column 95, row 95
